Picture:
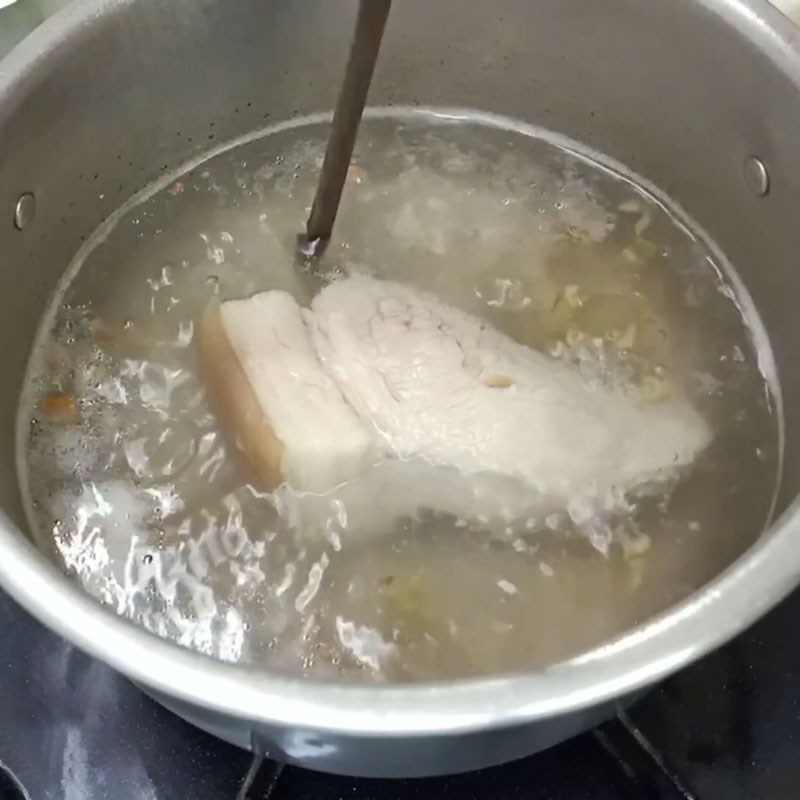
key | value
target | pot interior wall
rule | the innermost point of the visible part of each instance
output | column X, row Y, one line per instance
column 673, row 90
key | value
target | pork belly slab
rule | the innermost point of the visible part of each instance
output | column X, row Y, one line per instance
column 376, row 370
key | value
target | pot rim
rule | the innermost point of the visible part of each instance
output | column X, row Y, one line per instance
column 759, row 579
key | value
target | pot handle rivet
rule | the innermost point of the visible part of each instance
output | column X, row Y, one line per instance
column 24, row 211
column 756, row 175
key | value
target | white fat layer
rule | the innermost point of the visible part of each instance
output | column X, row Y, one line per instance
column 324, row 440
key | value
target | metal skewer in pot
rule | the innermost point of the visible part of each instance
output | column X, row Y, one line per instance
column 370, row 23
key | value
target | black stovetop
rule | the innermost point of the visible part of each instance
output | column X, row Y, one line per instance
column 726, row 728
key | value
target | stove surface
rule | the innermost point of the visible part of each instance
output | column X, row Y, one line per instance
column 726, row 728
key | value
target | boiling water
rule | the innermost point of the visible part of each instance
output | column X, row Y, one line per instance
column 140, row 497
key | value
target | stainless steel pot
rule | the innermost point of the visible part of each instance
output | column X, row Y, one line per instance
column 111, row 92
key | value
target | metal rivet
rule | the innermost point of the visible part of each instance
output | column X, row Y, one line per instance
column 24, row 211
column 756, row 175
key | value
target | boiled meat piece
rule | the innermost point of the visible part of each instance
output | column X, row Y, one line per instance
column 437, row 383
column 267, row 386
column 378, row 371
